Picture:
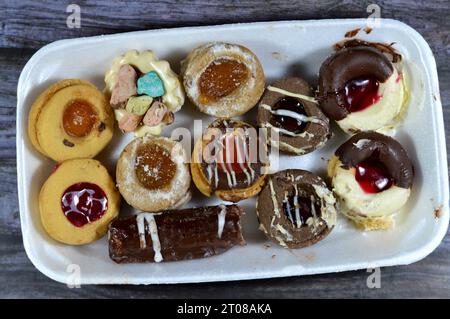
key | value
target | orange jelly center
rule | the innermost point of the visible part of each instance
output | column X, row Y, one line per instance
column 221, row 78
column 79, row 118
column 232, row 156
column 154, row 167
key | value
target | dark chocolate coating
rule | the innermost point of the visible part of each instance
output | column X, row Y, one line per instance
column 183, row 234
column 241, row 179
column 320, row 132
column 282, row 181
column 387, row 150
column 347, row 64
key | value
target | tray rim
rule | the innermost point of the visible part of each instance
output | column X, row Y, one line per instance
column 408, row 258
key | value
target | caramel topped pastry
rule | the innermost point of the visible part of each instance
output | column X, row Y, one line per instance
column 222, row 79
column 372, row 177
column 144, row 92
column 230, row 160
column 296, row 209
column 70, row 119
column 363, row 88
column 152, row 174
column 293, row 119
column 175, row 234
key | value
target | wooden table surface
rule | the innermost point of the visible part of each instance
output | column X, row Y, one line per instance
column 25, row 26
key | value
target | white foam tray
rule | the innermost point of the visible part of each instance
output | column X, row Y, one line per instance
column 284, row 48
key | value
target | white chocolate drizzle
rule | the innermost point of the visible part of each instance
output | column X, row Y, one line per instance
column 297, row 95
column 153, row 230
column 286, row 132
column 221, row 220
column 297, row 208
column 294, row 115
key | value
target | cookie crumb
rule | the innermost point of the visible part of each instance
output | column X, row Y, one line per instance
column 437, row 212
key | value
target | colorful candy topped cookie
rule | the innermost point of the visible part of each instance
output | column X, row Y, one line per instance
column 372, row 177
column 294, row 121
column 362, row 87
column 222, row 79
column 70, row 119
column 230, row 160
column 144, row 92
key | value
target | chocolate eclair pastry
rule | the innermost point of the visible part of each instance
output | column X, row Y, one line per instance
column 152, row 174
column 223, row 79
column 296, row 209
column 292, row 116
column 230, row 160
column 362, row 89
column 372, row 177
column 175, row 234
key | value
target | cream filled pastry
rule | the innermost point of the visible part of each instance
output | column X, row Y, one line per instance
column 362, row 89
column 372, row 177
column 223, row 80
column 144, row 92
column 152, row 174
column 292, row 117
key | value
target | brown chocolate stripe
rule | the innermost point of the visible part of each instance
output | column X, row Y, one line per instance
column 385, row 148
column 347, row 64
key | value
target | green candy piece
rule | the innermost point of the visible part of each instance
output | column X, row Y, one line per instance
column 150, row 84
column 139, row 104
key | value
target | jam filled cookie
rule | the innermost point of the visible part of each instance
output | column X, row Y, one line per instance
column 288, row 109
column 70, row 119
column 176, row 234
column 152, row 174
column 230, row 160
column 296, row 209
column 144, row 92
column 372, row 177
column 223, row 80
column 78, row 201
column 362, row 89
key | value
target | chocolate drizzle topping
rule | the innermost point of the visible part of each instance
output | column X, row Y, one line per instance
column 354, row 59
column 385, row 149
column 245, row 168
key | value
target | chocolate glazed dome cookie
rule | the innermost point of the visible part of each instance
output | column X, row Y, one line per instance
column 372, row 177
column 362, row 89
column 289, row 110
column 296, row 209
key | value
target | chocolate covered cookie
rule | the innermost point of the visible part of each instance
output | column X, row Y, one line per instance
column 362, row 87
column 176, row 234
column 372, row 177
column 296, row 209
column 292, row 116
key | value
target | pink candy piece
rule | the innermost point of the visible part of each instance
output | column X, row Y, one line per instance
column 155, row 114
column 125, row 86
column 129, row 122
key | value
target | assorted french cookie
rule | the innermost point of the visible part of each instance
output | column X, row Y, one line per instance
column 230, row 160
column 372, row 176
column 175, row 234
column 294, row 121
column 78, row 201
column 362, row 87
column 223, row 79
column 70, row 119
column 144, row 92
column 152, row 174
column 296, row 208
